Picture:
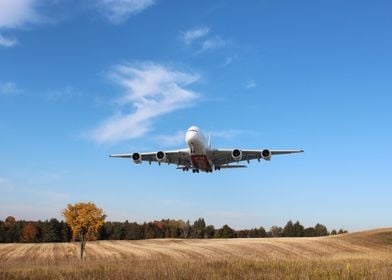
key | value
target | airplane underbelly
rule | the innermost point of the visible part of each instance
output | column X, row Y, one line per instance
column 200, row 162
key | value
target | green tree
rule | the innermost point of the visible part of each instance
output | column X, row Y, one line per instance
column 288, row 230
column 133, row 231
column 198, row 228
column 51, row 231
column 118, row 232
column 210, row 231
column 149, row 230
column 226, row 232
column 320, row 230
column 309, row 232
column 298, row 229
column 341, row 231
column 276, row 231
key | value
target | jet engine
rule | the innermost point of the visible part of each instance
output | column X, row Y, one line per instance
column 266, row 154
column 236, row 154
column 137, row 158
column 160, row 156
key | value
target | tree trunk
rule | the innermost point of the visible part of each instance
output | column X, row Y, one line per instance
column 82, row 245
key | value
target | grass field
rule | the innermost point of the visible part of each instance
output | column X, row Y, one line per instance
column 363, row 255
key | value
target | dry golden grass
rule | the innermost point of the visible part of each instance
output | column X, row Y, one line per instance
column 364, row 255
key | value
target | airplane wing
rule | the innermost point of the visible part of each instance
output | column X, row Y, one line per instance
column 221, row 157
column 178, row 157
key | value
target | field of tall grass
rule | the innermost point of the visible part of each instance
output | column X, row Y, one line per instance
column 364, row 255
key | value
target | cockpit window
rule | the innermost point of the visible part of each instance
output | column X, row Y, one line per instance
column 194, row 130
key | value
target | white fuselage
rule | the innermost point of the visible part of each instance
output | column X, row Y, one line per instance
column 198, row 147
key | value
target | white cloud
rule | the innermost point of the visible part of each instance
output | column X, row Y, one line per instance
column 250, row 84
column 199, row 37
column 150, row 90
column 194, row 34
column 117, row 11
column 212, row 43
column 9, row 88
column 17, row 13
column 7, row 42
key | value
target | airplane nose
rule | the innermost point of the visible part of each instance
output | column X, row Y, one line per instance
column 189, row 138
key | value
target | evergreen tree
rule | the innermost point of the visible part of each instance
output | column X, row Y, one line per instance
column 133, row 231
column 210, row 231
column 51, row 231
column 298, row 229
column 309, row 232
column 226, row 232
column 276, row 231
column 198, row 228
column 288, row 230
column 320, row 230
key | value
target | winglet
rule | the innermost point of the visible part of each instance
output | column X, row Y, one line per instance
column 209, row 140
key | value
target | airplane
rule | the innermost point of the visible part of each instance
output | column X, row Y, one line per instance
column 200, row 156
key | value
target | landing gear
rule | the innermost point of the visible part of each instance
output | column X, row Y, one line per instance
column 185, row 169
column 195, row 170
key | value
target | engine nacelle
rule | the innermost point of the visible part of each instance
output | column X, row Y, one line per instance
column 266, row 154
column 137, row 158
column 160, row 156
column 236, row 154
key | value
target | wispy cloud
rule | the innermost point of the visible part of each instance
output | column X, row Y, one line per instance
column 212, row 43
column 9, row 88
column 199, row 37
column 194, row 34
column 117, row 11
column 18, row 13
column 250, row 84
column 7, row 42
column 150, row 90
column 172, row 140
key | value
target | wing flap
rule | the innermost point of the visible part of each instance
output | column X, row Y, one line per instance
column 232, row 166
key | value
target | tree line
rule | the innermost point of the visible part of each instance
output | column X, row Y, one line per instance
column 12, row 230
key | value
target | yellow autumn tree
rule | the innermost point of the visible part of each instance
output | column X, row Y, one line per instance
column 85, row 220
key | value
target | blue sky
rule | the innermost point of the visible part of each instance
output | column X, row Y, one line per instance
column 81, row 81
